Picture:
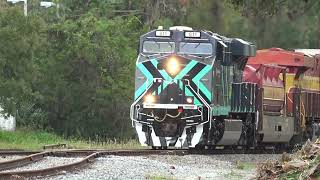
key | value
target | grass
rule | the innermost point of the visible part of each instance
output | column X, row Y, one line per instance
column 245, row 165
column 35, row 140
column 240, row 167
column 233, row 175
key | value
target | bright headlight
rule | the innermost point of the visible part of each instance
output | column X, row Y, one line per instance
column 173, row 66
column 189, row 100
column 149, row 99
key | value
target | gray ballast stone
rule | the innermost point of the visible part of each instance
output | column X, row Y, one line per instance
column 169, row 167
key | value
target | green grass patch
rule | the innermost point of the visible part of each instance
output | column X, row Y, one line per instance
column 233, row 175
column 245, row 165
column 35, row 140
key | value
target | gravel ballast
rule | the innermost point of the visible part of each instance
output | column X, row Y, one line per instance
column 170, row 167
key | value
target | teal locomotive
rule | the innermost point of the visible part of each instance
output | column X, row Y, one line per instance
column 187, row 89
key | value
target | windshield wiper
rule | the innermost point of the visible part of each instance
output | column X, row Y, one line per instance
column 184, row 43
column 170, row 45
column 159, row 47
column 158, row 44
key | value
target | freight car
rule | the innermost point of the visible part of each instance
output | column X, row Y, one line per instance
column 183, row 89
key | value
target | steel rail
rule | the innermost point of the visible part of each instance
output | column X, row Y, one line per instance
column 23, row 161
column 85, row 152
column 18, row 153
column 34, row 157
column 133, row 152
column 51, row 170
column 142, row 152
column 64, row 153
column 234, row 151
column 75, row 165
column 55, row 146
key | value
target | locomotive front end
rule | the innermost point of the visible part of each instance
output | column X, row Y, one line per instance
column 173, row 82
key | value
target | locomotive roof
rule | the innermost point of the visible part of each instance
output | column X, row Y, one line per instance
column 309, row 52
column 238, row 47
column 282, row 57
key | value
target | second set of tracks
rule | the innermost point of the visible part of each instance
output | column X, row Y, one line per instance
column 88, row 156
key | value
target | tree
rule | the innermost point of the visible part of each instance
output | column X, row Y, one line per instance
column 74, row 74
column 20, row 48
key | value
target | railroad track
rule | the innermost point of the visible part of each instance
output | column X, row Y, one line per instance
column 48, row 171
column 23, row 161
column 90, row 156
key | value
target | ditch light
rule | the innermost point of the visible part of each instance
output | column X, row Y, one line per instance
column 149, row 99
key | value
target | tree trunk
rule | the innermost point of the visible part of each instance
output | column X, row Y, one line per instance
column 152, row 10
column 217, row 13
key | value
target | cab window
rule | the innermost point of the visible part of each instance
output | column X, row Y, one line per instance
column 195, row 48
column 158, row 47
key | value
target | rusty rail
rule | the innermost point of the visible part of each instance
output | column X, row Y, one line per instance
column 142, row 152
column 55, row 146
column 72, row 166
column 49, row 171
column 23, row 161
column 18, row 153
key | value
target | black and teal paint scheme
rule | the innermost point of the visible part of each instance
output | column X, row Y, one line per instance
column 182, row 83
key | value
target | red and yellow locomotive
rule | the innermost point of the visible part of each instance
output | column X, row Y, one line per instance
column 289, row 96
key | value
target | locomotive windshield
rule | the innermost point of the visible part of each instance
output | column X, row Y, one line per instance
column 195, row 48
column 158, row 47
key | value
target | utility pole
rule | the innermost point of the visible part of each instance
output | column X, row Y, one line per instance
column 25, row 7
column 58, row 14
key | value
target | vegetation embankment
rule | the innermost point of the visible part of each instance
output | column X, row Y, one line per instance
column 35, row 140
column 303, row 164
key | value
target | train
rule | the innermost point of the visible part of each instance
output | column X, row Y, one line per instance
column 200, row 89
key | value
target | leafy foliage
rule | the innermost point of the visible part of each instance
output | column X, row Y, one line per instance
column 70, row 69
